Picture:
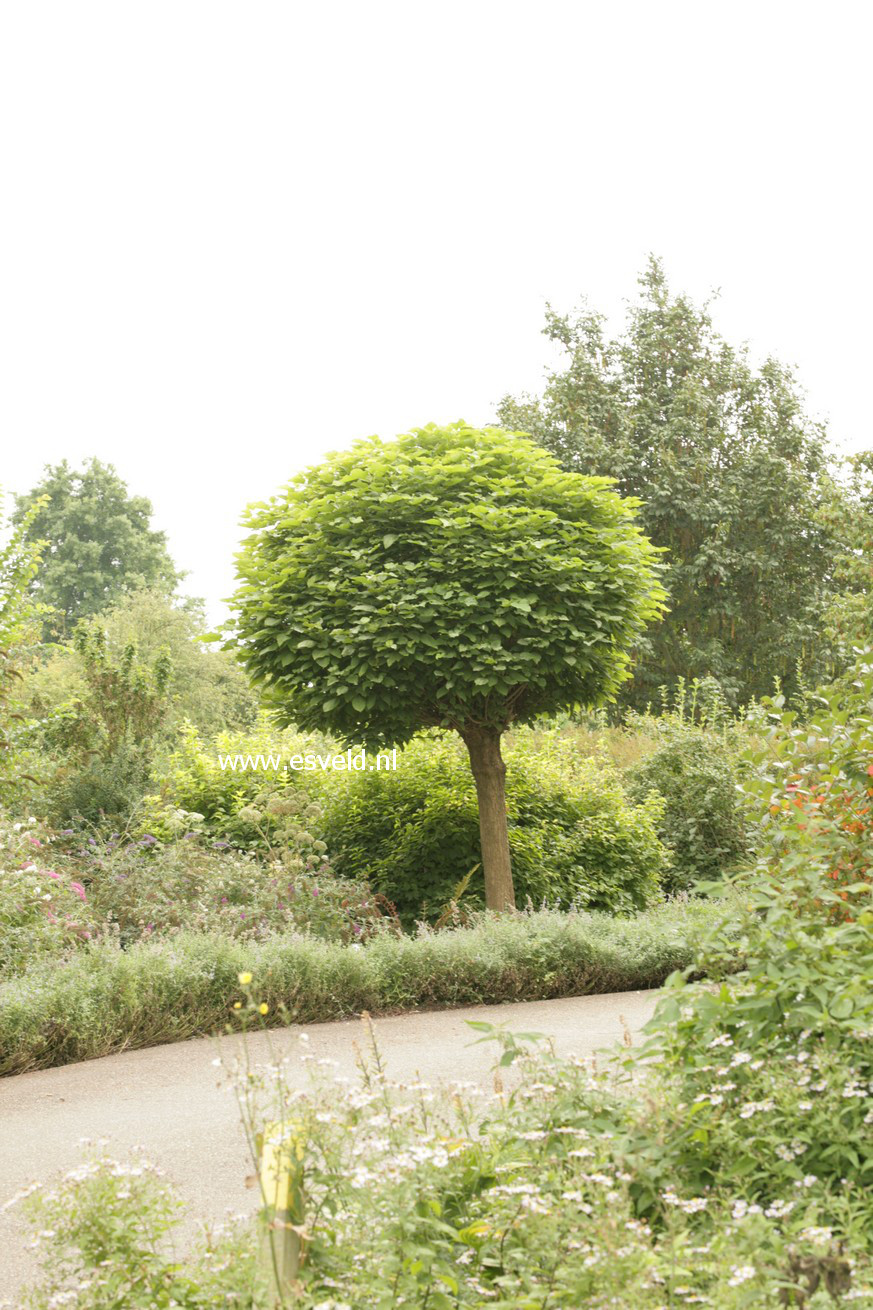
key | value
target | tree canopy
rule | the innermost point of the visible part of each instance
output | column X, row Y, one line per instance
column 732, row 474
column 99, row 542
column 453, row 578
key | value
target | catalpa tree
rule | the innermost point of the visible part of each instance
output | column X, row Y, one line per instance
column 453, row 578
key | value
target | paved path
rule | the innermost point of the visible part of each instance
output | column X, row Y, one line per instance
column 169, row 1098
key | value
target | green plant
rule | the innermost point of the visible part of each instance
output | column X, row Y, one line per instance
column 19, row 614
column 102, row 1235
column 461, row 1197
column 143, row 888
column 703, row 821
column 44, row 911
column 453, row 578
column 206, row 686
column 63, row 889
column 733, row 477
column 100, row 542
column 413, row 833
column 105, row 739
column 106, row 999
column 774, row 1060
column 237, row 804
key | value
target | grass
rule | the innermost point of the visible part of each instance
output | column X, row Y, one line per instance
column 104, row 999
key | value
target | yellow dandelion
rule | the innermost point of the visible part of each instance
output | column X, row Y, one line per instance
column 262, row 1008
column 244, row 979
column 237, row 1005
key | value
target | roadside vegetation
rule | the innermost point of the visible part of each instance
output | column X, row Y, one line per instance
column 726, row 1162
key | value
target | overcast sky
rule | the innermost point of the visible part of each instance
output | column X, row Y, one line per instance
column 237, row 236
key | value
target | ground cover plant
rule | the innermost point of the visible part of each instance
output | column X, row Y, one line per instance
column 102, row 998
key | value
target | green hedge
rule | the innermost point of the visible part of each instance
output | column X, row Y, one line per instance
column 105, row 999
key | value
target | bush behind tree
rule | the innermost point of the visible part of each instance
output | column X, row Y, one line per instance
column 413, row 833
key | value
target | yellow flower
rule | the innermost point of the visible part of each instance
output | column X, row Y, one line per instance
column 244, row 979
column 262, row 1008
column 237, row 1005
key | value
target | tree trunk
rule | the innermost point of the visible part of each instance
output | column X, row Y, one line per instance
column 489, row 772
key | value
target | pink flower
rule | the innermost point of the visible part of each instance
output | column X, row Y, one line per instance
column 79, row 890
column 56, row 876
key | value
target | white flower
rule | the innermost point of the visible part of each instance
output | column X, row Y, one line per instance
column 816, row 1235
column 779, row 1209
column 740, row 1274
column 741, row 1208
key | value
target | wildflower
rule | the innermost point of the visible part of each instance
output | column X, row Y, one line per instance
column 741, row 1208
column 244, row 979
column 779, row 1209
column 263, row 1008
column 79, row 890
column 816, row 1235
column 740, row 1274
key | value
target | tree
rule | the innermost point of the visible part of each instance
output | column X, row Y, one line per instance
column 19, row 620
column 731, row 473
column 453, row 578
column 847, row 515
column 207, row 686
column 99, row 542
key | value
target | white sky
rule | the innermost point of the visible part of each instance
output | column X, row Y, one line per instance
column 237, row 236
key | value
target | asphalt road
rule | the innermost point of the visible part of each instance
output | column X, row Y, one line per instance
column 170, row 1099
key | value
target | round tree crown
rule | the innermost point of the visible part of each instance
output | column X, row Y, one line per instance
column 454, row 576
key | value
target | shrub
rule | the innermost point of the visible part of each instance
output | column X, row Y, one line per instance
column 702, row 823
column 776, row 1059
column 130, row 888
column 104, row 740
column 574, row 837
column 43, row 911
column 105, row 999
column 194, row 782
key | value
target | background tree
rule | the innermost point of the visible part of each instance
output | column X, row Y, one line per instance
column 453, row 578
column 19, row 627
column 731, row 472
column 99, row 542
column 207, row 686
column 847, row 516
